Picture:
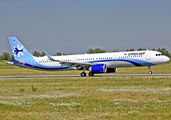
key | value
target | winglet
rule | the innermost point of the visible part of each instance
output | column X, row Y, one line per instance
column 50, row 58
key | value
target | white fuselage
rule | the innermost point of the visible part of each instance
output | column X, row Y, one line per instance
column 112, row 60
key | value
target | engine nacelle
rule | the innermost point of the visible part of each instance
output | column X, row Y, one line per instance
column 111, row 70
column 98, row 68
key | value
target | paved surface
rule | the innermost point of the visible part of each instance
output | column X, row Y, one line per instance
column 96, row 75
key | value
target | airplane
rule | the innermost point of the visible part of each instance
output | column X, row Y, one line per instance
column 95, row 63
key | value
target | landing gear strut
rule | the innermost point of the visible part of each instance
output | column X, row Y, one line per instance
column 150, row 72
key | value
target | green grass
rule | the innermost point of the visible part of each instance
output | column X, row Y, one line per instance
column 169, row 61
column 4, row 64
column 5, row 106
column 86, row 98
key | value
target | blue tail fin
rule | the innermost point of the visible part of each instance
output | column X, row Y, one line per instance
column 19, row 51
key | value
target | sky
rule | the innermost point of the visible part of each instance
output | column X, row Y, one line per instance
column 74, row 26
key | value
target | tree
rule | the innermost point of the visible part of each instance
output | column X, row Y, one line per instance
column 11, row 57
column 139, row 49
column 97, row 50
column 90, row 51
column 115, row 51
column 164, row 51
column 58, row 54
column 36, row 54
column 42, row 54
column 130, row 49
column 5, row 56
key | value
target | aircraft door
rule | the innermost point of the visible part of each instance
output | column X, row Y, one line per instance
column 32, row 62
column 148, row 55
column 74, row 59
column 115, row 58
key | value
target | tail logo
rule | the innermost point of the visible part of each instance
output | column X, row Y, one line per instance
column 18, row 50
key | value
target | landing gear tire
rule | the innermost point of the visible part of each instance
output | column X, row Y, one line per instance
column 91, row 74
column 150, row 72
column 83, row 74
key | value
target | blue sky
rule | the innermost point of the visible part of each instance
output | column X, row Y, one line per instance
column 74, row 26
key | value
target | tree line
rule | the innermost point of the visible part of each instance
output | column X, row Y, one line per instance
column 7, row 56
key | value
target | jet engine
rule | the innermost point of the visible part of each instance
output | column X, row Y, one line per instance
column 98, row 68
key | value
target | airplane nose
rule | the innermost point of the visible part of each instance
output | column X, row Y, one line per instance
column 167, row 59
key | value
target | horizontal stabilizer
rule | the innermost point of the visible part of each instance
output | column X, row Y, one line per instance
column 14, row 62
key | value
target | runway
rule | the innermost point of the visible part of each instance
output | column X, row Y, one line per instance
column 96, row 75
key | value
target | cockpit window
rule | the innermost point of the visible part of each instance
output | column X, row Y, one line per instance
column 159, row 54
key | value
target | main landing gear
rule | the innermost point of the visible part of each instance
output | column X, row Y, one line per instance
column 150, row 72
column 91, row 74
column 83, row 74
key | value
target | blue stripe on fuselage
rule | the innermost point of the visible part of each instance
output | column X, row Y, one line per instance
column 132, row 61
column 40, row 66
column 47, row 67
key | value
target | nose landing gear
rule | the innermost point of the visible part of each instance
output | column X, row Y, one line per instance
column 150, row 72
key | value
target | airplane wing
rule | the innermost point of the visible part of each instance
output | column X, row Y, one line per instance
column 69, row 63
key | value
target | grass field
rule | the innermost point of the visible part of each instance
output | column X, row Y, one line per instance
column 87, row 98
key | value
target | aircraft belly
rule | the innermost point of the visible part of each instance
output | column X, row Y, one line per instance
column 122, row 64
column 50, row 65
